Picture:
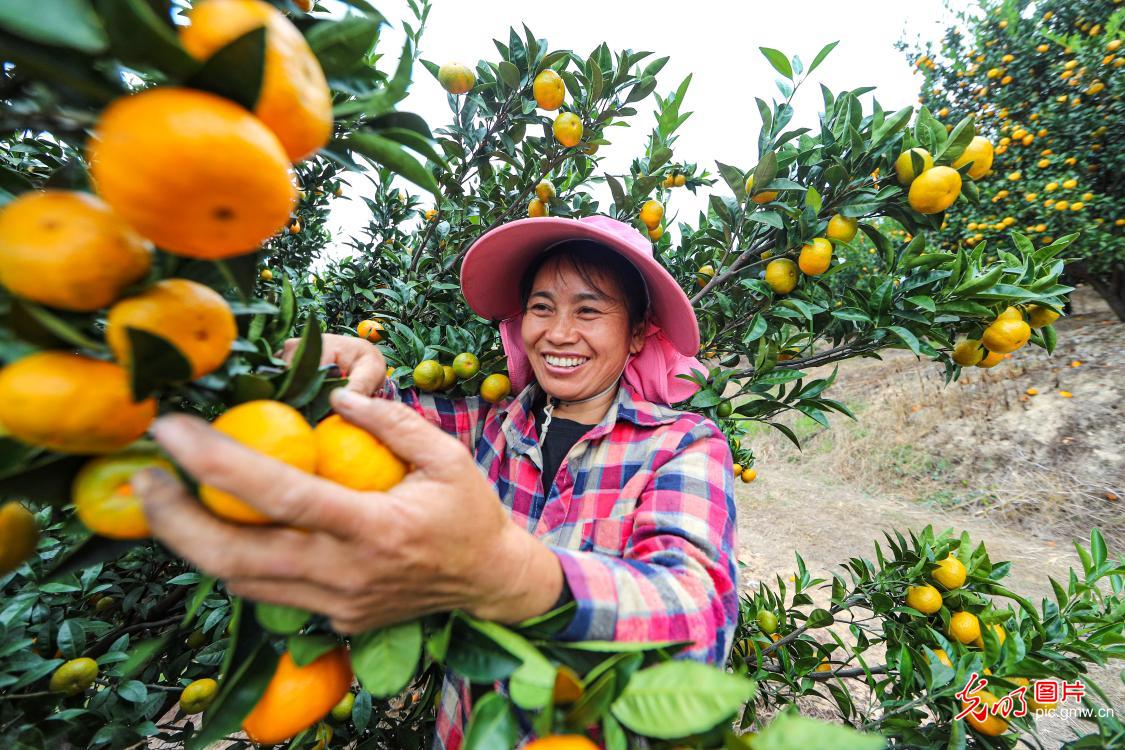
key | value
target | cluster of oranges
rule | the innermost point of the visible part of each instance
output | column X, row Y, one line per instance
column 540, row 205
column 814, row 258
column 430, row 375
column 1009, row 331
column 651, row 215
column 747, row 474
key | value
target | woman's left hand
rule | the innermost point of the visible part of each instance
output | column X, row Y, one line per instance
column 439, row 540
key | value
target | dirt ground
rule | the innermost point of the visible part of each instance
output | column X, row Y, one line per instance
column 1025, row 475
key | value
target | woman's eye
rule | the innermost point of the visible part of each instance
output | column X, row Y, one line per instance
column 539, row 307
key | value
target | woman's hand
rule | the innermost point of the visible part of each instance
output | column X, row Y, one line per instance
column 439, row 540
column 359, row 361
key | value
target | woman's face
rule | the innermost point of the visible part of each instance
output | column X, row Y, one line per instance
column 567, row 321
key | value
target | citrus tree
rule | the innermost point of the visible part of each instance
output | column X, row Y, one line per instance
column 1044, row 81
column 148, row 267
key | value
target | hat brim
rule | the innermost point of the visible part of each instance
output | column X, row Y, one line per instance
column 493, row 266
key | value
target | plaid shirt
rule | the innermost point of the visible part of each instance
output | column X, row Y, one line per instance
column 641, row 516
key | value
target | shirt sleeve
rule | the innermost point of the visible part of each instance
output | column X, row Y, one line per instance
column 463, row 418
column 677, row 578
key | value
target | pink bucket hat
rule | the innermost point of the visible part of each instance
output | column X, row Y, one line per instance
column 495, row 263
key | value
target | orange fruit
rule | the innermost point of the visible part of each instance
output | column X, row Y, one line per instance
column 562, row 742
column 965, row 627
column 495, row 387
column 456, row 78
column 680, row 180
column 749, row 475
column 192, row 317
column 656, row 233
column 781, row 275
column 765, row 196
column 194, row 172
column 991, row 359
column 943, row 657
column 767, row 621
column 536, row 208
column 934, row 190
column 950, row 573
column 429, row 375
column 926, row 599
column 568, row 686
column 71, row 404
column 968, row 352
column 738, row 470
column 990, row 725
column 545, row 191
column 266, row 275
column 298, row 697
column 651, row 213
column 904, row 165
column 704, row 274
column 371, row 329
column 824, row 665
column 268, row 427
column 68, row 250
column 103, row 494
column 74, row 676
column 342, row 711
column 842, row 229
column 294, row 101
column 355, row 458
column 449, row 378
column 980, row 153
column 1040, row 317
column 815, row 257
column 197, row 696
column 1006, row 335
column 19, row 535
column 295, row 227
column 568, row 129
column 548, row 90
column 465, row 365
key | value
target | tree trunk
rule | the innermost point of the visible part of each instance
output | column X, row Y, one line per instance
column 1109, row 284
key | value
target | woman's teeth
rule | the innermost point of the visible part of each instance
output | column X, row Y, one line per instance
column 565, row 361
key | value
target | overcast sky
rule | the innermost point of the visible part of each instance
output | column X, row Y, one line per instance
column 717, row 42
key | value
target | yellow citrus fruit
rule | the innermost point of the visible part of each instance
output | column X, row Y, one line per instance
column 1005, row 336
column 545, row 190
column 272, row 428
column 342, row 711
column 738, row 470
column 943, row 657
column 448, row 378
column 194, row 172
column 934, row 190
column 680, row 180
column 950, row 573
column 781, row 275
column 71, row 404
column 815, row 257
column 568, row 686
column 192, row 317
column 568, row 129
column 104, row 498
column 562, row 742
column 549, row 90
column 651, row 213
column 991, row 725
column 841, row 228
column 1011, row 312
column 68, row 250
column 197, row 696
column 466, row 365
column 979, row 152
column 765, row 196
column 456, row 78
column 656, row 233
column 767, row 621
column 19, row 536
column 495, row 387
column 990, row 359
column 370, row 329
column 298, row 697
column 1039, row 316
column 266, row 275
column 429, row 375
column 749, row 475
column 964, row 626
column 968, row 352
column 353, row 457
column 904, row 165
column 926, row 599
column 294, row 101
column 704, row 274
column 74, row 676
column 536, row 208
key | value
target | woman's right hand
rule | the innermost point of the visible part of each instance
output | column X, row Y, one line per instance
column 359, row 361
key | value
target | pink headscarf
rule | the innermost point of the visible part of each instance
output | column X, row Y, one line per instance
column 651, row 373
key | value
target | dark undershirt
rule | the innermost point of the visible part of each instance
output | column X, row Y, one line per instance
column 562, row 434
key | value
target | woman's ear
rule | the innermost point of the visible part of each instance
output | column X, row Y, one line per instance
column 637, row 338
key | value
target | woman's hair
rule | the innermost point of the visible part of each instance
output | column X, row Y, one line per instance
column 589, row 258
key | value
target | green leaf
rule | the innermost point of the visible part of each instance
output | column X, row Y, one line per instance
column 824, row 52
column 734, row 178
column 779, row 61
column 53, row 324
column 154, row 362
column 60, row 23
column 342, row 46
column 679, row 698
column 509, row 74
column 819, row 618
column 792, row 732
column 239, row 692
column 384, row 660
column 388, row 153
column 891, row 126
column 492, row 725
column 533, row 682
column 140, row 37
column 143, row 652
column 306, row 361
column 907, row 337
column 305, row 649
column 235, row 71
column 280, row 619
